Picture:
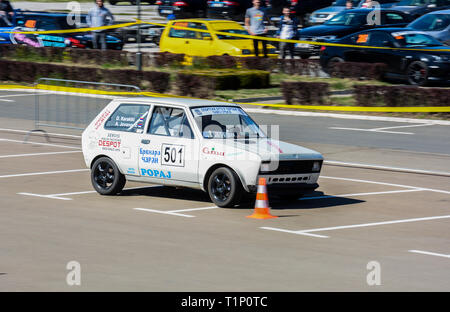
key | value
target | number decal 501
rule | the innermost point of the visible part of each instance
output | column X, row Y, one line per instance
column 172, row 155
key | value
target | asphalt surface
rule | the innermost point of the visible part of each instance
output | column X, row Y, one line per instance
column 50, row 215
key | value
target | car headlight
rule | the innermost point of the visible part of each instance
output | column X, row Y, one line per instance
column 265, row 167
column 440, row 58
column 2, row 39
column 246, row 51
column 316, row 166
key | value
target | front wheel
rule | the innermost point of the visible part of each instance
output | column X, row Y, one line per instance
column 224, row 187
column 106, row 177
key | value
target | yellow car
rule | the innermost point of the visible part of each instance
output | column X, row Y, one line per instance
column 194, row 43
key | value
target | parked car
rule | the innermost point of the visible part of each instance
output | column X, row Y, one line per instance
column 132, row 2
column 236, row 9
column 343, row 24
column 322, row 15
column 436, row 24
column 416, row 66
column 212, row 146
column 193, row 43
column 417, row 8
column 302, row 8
column 182, row 8
column 33, row 20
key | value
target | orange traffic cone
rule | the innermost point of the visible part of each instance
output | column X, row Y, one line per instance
column 262, row 210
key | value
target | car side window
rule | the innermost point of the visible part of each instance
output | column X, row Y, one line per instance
column 378, row 39
column 181, row 33
column 128, row 118
column 170, row 121
column 393, row 18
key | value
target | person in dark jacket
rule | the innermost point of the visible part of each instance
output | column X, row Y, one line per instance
column 6, row 11
column 287, row 29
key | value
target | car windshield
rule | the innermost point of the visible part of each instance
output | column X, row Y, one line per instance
column 232, row 31
column 410, row 40
column 225, row 122
column 347, row 19
column 344, row 2
column 431, row 22
column 412, row 2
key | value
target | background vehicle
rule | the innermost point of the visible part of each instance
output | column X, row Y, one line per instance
column 176, row 40
column 436, row 24
column 417, row 8
column 302, row 8
column 182, row 8
column 417, row 67
column 207, row 145
column 324, row 14
column 345, row 23
column 132, row 2
column 236, row 9
column 56, row 21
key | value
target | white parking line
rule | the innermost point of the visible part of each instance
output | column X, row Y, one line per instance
column 37, row 143
column 429, row 253
column 370, row 130
column 308, row 232
column 407, row 170
column 59, row 195
column 4, row 100
column 38, row 154
column 360, row 194
column 49, row 133
column 40, row 173
column 388, row 184
column 384, row 129
column 176, row 212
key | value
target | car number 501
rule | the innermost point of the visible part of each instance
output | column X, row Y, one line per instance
column 172, row 155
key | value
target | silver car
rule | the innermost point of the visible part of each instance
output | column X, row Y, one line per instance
column 435, row 24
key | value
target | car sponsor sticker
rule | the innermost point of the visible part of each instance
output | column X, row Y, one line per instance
column 101, row 119
column 362, row 38
column 149, row 156
column 110, row 143
column 220, row 110
column 172, row 155
column 212, row 151
column 154, row 173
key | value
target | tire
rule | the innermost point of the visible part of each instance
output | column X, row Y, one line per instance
column 334, row 59
column 106, row 177
column 417, row 73
column 305, row 56
column 224, row 187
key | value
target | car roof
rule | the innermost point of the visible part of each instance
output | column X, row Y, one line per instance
column 369, row 10
column 175, row 101
column 206, row 20
column 440, row 12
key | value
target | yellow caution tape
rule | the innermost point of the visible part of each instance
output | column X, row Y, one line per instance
column 65, row 31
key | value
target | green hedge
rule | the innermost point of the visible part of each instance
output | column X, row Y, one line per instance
column 30, row 71
column 226, row 79
column 305, row 93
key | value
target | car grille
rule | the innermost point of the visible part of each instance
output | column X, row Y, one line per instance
column 293, row 167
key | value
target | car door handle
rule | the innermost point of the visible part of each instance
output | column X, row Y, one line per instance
column 145, row 141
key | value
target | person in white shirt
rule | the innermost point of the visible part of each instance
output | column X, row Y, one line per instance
column 287, row 29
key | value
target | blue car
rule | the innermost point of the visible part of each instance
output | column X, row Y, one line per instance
column 31, row 20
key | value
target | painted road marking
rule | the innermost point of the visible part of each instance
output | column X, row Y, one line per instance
column 4, row 100
column 308, row 232
column 429, row 253
column 384, row 129
column 37, row 143
column 59, row 195
column 41, row 173
column 176, row 212
column 49, row 133
column 388, row 184
column 38, row 154
column 368, row 166
column 360, row 194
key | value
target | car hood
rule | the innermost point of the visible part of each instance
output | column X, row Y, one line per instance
column 269, row 149
column 323, row 30
column 330, row 9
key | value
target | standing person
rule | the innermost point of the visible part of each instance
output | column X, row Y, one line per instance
column 287, row 29
column 97, row 17
column 254, row 22
column 349, row 5
column 6, row 11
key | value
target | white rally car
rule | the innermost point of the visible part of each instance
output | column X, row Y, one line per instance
column 207, row 145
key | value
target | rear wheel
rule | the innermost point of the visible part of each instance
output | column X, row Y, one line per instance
column 106, row 177
column 332, row 61
column 417, row 73
column 224, row 187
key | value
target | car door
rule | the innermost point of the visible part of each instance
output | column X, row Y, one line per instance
column 200, row 43
column 357, row 54
column 122, row 133
column 389, row 57
column 168, row 151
